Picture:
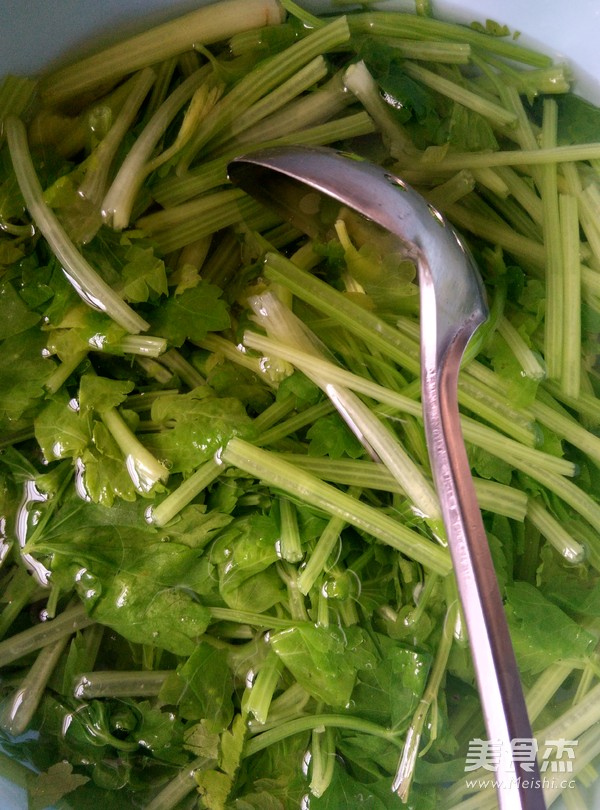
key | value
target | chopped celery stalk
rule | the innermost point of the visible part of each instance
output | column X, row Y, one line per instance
column 571, row 291
column 496, row 114
column 207, row 24
column 297, row 483
column 261, row 80
column 119, row 199
column 90, row 286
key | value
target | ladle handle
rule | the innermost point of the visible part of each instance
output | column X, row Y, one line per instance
column 503, row 702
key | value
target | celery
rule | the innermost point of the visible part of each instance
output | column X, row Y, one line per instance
column 553, row 335
column 494, row 112
column 208, row 24
column 119, row 199
column 82, row 276
column 278, row 473
column 261, row 80
column 118, row 684
column 18, row 712
column 571, row 291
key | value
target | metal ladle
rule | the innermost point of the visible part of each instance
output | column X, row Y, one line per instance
column 452, row 307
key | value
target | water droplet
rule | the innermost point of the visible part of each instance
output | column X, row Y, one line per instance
column 80, row 487
column 26, row 517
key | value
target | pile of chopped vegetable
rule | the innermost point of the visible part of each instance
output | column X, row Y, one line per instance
column 211, row 595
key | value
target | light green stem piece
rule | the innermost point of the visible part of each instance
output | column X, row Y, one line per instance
column 90, row 286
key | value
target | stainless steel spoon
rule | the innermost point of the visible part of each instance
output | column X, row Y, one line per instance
column 452, row 307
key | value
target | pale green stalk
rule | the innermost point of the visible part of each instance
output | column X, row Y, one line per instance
column 570, row 378
column 86, row 281
column 344, row 311
column 406, row 767
column 475, row 433
column 44, row 634
column 181, row 786
column 298, row 83
column 189, row 230
column 205, row 25
column 164, row 75
column 529, row 362
column 323, row 760
column 451, row 191
column 267, row 75
column 454, row 161
column 574, row 799
column 586, row 404
column 406, row 25
column 576, row 720
column 361, row 83
column 262, row 690
column 167, row 509
column 316, row 107
column 554, row 320
column 177, row 363
column 523, row 192
column 221, row 346
column 525, row 133
column 154, row 370
column 290, row 540
column 568, row 428
column 324, row 547
column 491, row 180
column 309, row 20
column 449, row 53
column 486, row 403
column 299, row 484
column 496, row 114
column 169, row 218
column 589, row 224
column 491, row 495
column 282, row 325
column 16, row 93
column 263, row 620
column 554, row 533
column 497, row 233
column 19, row 710
column 118, row 684
column 311, row 721
column 120, row 197
column 146, row 345
column 144, row 469
column 63, row 371
column 542, row 410
column 579, row 500
column 17, row 593
column 545, row 687
column 98, row 164
column 213, row 173
column 300, row 420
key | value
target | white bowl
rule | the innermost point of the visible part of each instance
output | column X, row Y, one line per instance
column 37, row 33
